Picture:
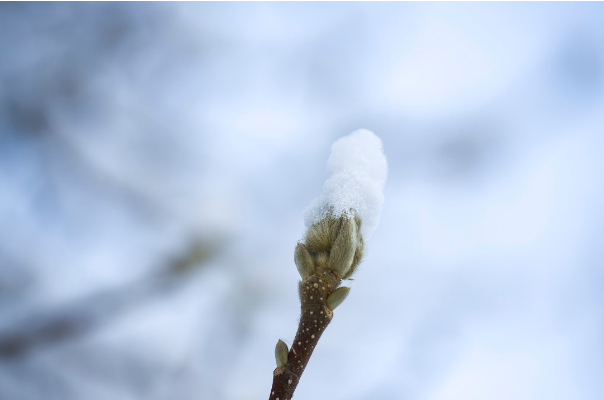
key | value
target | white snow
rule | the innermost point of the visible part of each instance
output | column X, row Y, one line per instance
column 359, row 171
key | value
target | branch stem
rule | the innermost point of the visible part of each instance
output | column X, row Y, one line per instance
column 315, row 315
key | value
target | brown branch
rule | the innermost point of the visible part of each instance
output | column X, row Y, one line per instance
column 54, row 326
column 314, row 318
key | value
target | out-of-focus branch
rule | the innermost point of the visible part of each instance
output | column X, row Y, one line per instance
column 82, row 316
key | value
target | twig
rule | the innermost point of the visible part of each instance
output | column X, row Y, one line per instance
column 333, row 249
column 314, row 318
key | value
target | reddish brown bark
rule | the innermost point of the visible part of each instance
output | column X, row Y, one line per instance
column 314, row 318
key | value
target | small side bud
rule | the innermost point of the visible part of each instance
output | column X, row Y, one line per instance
column 344, row 247
column 337, row 297
column 281, row 353
column 304, row 262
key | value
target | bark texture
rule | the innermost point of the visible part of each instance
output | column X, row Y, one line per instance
column 314, row 317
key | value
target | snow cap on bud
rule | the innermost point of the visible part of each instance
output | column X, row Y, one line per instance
column 337, row 297
column 358, row 175
column 304, row 262
column 353, row 193
column 281, row 353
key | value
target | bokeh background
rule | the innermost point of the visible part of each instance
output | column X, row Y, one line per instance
column 156, row 158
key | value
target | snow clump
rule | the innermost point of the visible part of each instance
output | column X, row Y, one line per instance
column 359, row 169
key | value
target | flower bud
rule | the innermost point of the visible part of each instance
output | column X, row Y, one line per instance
column 337, row 297
column 333, row 243
column 281, row 353
column 321, row 235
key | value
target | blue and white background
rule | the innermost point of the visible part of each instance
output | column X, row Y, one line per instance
column 156, row 158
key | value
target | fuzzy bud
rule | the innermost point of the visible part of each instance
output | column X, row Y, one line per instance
column 304, row 262
column 337, row 297
column 343, row 249
column 281, row 353
column 335, row 244
column 359, row 250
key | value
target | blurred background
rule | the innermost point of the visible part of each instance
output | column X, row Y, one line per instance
column 156, row 158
